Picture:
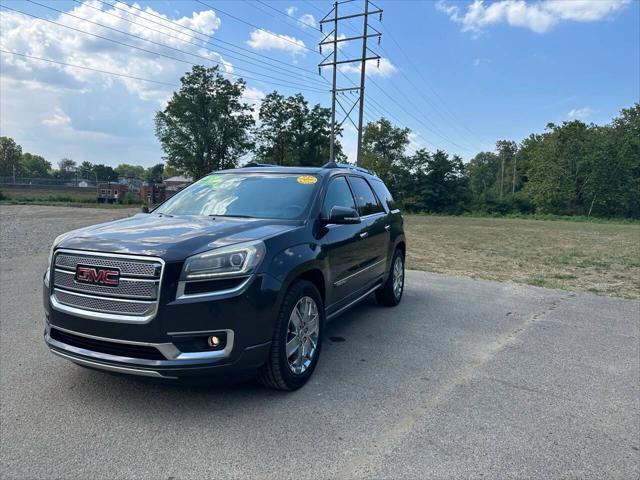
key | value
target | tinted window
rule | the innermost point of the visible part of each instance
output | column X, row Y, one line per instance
column 384, row 194
column 338, row 195
column 366, row 200
column 269, row 195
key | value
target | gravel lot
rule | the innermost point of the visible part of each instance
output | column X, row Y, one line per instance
column 466, row 378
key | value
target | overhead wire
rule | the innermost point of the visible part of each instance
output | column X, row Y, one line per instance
column 198, row 42
column 150, row 51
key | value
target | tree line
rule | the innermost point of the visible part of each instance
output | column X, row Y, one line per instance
column 208, row 124
column 23, row 165
column 570, row 169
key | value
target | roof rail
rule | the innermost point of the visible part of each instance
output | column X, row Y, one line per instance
column 256, row 164
column 350, row 166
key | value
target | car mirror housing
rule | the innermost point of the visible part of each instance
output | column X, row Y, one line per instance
column 342, row 216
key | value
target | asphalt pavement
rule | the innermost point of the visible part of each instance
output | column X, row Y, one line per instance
column 465, row 379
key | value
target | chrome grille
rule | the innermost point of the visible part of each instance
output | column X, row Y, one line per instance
column 104, row 305
column 147, row 268
column 133, row 300
column 128, row 288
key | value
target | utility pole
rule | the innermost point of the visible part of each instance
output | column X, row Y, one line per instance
column 513, row 188
column 331, row 38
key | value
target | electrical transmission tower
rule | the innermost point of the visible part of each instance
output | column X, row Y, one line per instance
column 333, row 60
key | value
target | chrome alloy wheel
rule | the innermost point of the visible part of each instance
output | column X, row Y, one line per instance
column 398, row 276
column 302, row 335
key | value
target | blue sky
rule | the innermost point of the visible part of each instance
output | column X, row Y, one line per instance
column 461, row 75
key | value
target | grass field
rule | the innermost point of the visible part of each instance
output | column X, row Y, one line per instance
column 602, row 258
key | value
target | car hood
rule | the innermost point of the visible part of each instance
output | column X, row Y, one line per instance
column 172, row 238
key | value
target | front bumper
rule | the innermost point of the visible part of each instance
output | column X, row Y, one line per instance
column 246, row 320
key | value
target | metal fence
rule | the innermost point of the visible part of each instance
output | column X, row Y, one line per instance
column 132, row 183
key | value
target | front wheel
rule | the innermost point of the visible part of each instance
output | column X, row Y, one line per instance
column 297, row 339
column 390, row 293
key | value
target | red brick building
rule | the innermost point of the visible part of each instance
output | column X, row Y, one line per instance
column 110, row 192
column 153, row 194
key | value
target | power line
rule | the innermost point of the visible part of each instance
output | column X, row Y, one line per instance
column 207, row 38
column 31, row 57
column 288, row 16
column 140, row 48
column 281, row 37
column 105, row 72
column 269, row 66
column 161, row 45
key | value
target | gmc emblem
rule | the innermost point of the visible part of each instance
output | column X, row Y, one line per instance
column 108, row 277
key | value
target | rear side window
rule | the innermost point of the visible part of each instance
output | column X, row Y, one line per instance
column 384, row 194
column 338, row 195
column 365, row 198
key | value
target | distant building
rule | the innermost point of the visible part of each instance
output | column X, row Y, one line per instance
column 177, row 183
column 110, row 192
column 153, row 194
column 83, row 184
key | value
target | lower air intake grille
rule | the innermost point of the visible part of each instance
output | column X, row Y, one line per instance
column 111, row 348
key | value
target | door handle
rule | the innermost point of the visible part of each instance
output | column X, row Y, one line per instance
column 364, row 234
column 387, row 227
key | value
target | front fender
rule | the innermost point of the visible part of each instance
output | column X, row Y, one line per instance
column 292, row 262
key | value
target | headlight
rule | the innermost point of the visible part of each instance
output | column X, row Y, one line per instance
column 239, row 259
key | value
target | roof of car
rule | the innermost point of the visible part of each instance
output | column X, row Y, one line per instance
column 324, row 170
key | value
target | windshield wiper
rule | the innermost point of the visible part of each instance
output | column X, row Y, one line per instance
column 231, row 216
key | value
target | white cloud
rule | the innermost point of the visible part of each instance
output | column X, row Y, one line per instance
column 479, row 61
column 58, row 119
column 385, row 69
column 264, row 40
column 60, row 111
column 538, row 16
column 308, row 20
column 291, row 10
column 39, row 38
column 579, row 113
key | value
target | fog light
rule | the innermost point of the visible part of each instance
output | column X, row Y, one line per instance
column 213, row 341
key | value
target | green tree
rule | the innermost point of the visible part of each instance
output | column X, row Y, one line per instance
column 66, row 169
column 154, row 174
column 34, row 166
column 105, row 173
column 85, row 170
column 204, row 126
column 10, row 156
column 125, row 170
column 290, row 133
column 383, row 149
column 506, row 151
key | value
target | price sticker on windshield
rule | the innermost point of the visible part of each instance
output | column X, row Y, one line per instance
column 307, row 179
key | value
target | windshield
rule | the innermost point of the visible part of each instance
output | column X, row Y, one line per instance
column 254, row 195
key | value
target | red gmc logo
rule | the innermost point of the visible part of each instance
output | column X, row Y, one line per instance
column 98, row 276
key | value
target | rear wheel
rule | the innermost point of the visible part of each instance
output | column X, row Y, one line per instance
column 297, row 339
column 390, row 293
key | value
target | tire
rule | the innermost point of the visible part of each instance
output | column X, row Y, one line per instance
column 290, row 372
column 388, row 295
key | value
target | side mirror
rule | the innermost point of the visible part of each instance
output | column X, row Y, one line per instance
column 144, row 209
column 342, row 216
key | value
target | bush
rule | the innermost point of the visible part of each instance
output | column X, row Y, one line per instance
column 2, row 195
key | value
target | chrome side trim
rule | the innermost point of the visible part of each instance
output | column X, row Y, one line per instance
column 111, row 368
column 351, row 304
column 344, row 280
column 180, row 295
